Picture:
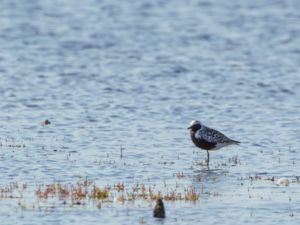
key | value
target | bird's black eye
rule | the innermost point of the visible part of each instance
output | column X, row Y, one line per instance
column 198, row 126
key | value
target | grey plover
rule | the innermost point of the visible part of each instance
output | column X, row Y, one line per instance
column 207, row 138
column 159, row 209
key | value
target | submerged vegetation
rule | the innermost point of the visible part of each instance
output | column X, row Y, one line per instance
column 87, row 191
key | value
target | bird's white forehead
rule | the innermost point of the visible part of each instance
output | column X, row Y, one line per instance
column 194, row 122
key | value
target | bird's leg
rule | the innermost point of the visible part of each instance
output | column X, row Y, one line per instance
column 207, row 157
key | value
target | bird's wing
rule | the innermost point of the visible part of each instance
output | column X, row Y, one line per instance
column 211, row 135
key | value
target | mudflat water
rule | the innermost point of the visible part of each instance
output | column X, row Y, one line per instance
column 132, row 75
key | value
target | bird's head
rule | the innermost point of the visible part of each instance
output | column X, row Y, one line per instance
column 195, row 125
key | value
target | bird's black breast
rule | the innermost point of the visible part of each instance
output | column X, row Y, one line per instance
column 201, row 143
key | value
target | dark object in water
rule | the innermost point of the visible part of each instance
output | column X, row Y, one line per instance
column 159, row 209
column 46, row 122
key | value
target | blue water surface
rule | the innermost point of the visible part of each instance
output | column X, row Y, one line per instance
column 134, row 74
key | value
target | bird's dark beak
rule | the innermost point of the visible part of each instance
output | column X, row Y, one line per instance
column 189, row 127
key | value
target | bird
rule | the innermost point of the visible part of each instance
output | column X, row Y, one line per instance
column 159, row 209
column 207, row 138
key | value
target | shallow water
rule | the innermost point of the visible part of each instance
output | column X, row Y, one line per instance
column 134, row 74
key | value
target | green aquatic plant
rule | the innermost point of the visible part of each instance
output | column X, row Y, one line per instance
column 98, row 193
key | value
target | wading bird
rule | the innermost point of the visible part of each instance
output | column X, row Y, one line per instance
column 207, row 138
